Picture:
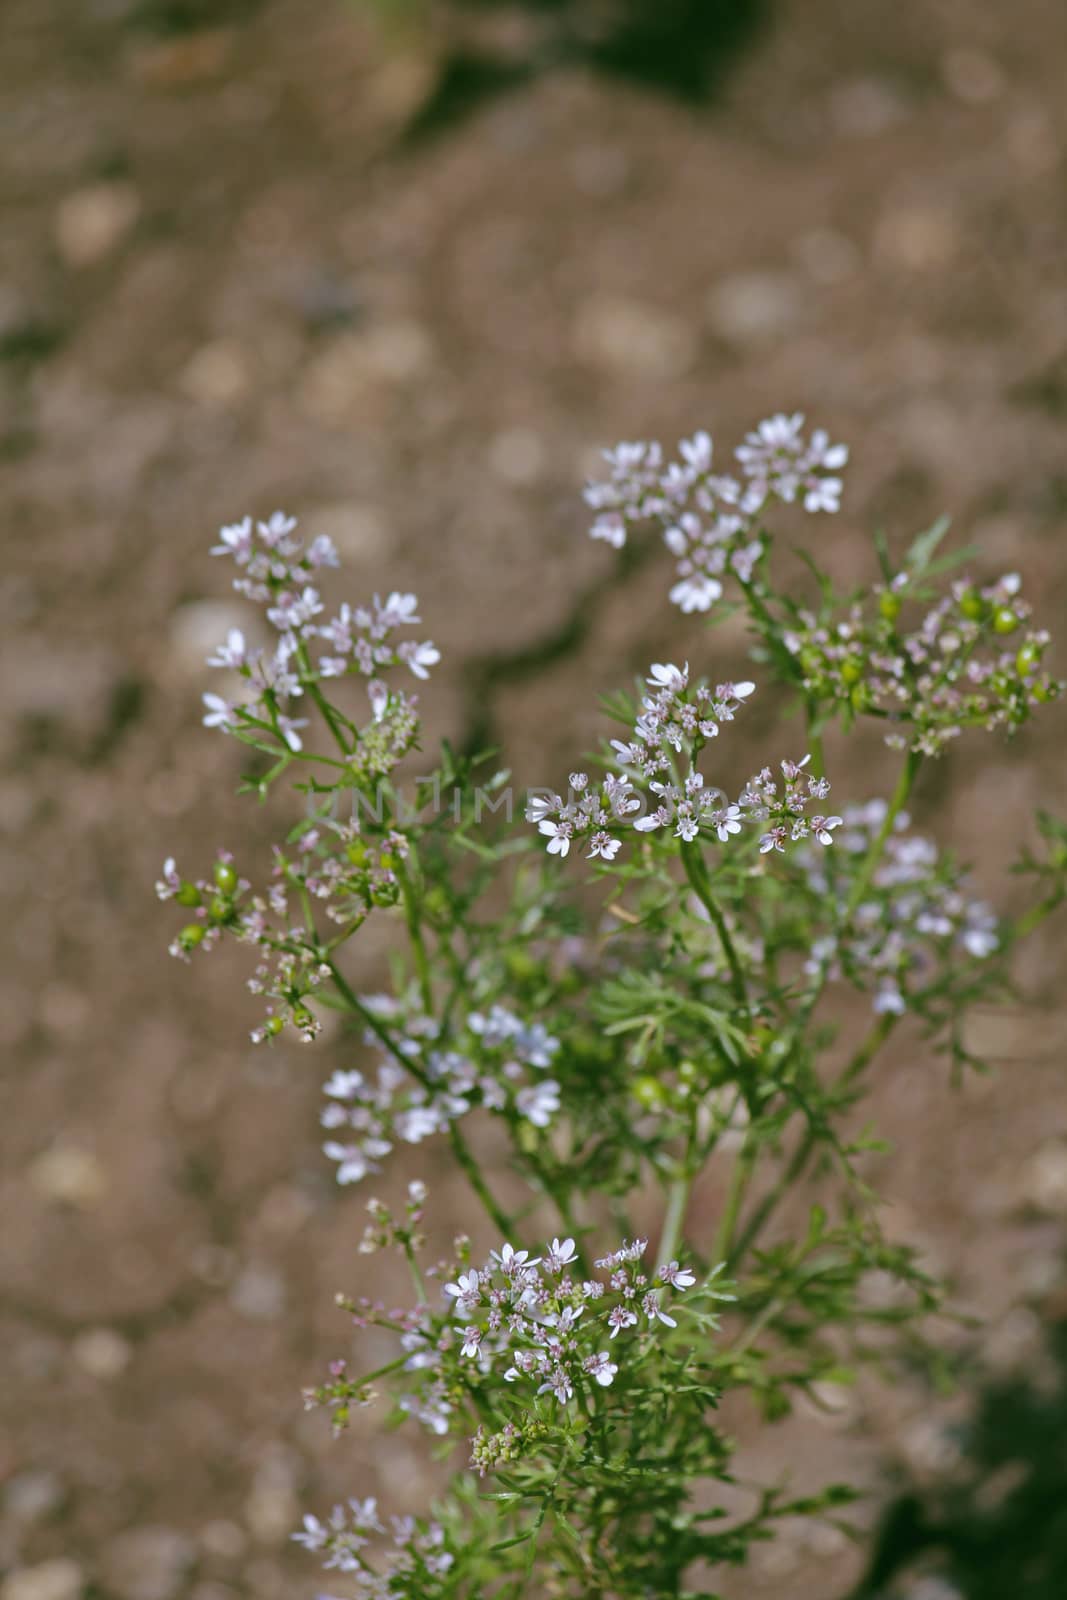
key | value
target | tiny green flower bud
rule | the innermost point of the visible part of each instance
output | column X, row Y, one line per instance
column 191, row 935
column 225, row 877
column 1004, row 620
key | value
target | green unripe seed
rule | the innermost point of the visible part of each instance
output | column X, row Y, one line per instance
column 273, row 1026
column 649, row 1092
column 225, row 877
column 188, row 895
column 302, row 1017
column 386, row 894
column 191, row 935
column 972, row 606
column 220, row 908
column 1004, row 620
column 889, row 605
column 357, row 853
column 1044, row 692
column 387, row 861
column 1027, row 659
column 851, row 671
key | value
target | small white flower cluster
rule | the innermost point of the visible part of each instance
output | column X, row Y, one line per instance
column 275, row 570
column 408, row 1566
column 915, row 918
column 676, row 717
column 489, row 1063
column 761, row 801
column 711, row 522
column 551, row 1328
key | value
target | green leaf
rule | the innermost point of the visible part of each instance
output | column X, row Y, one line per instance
column 921, row 551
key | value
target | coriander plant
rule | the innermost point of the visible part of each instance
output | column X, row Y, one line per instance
column 644, row 981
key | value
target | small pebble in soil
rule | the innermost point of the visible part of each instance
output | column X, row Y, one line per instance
column 51, row 1580
column 102, row 1353
column 91, row 222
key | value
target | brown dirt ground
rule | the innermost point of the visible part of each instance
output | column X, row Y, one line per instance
column 220, row 290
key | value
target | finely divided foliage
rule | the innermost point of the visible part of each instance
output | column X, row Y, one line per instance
column 672, row 1018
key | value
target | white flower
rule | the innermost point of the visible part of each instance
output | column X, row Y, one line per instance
column 560, row 1254
column 398, row 610
column 170, row 882
column 558, row 835
column 666, row 676
column 678, row 1277
column 419, row 657
column 287, row 727
column 603, row 845
column 697, row 593
column 378, row 695
column 510, row 1260
column 313, row 1535
column 234, row 653
column 601, row 1367
column 823, row 828
column 466, row 1291
column 354, row 1165
column 727, row 821
column 220, row 714
column 697, row 451
column 540, row 1102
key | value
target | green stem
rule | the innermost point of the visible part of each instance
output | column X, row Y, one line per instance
column 903, row 789
column 416, row 1274
column 802, row 1154
column 723, row 1248
column 418, row 943
column 1025, row 924
column 461, row 1150
column 697, row 873
column 674, row 1218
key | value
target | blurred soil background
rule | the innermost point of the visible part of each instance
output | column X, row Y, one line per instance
column 403, row 274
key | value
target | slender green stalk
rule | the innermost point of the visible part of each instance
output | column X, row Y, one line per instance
column 862, row 882
column 697, row 873
column 418, row 943
column 723, row 1248
column 802, row 1154
column 674, row 1218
